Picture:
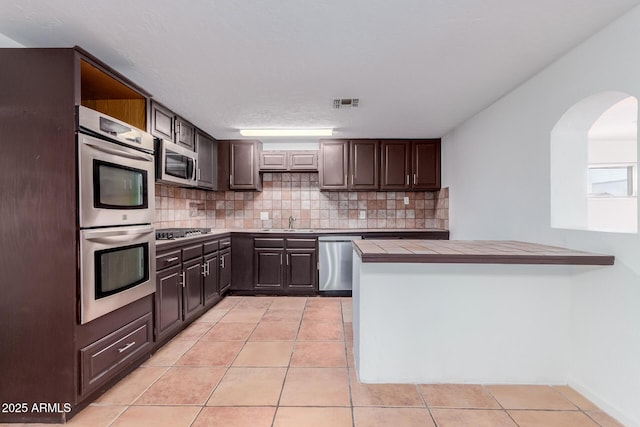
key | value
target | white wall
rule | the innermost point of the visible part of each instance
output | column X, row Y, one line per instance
column 497, row 167
column 7, row 42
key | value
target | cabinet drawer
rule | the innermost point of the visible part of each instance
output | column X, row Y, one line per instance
column 168, row 259
column 210, row 247
column 301, row 243
column 103, row 359
column 191, row 252
column 264, row 242
column 225, row 243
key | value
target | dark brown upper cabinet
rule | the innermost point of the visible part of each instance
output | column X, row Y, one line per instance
column 333, row 165
column 207, row 150
column 167, row 125
column 273, row 161
column 363, row 165
column 410, row 164
column 303, row 161
column 185, row 133
column 348, row 165
column 426, row 164
column 294, row 161
column 243, row 165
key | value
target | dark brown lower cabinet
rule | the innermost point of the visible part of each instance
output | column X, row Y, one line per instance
column 189, row 278
column 193, row 301
column 118, row 348
column 225, row 271
column 168, row 300
column 211, row 284
column 285, row 266
column 301, row 270
column 268, row 268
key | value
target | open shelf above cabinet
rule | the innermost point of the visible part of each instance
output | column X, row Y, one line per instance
column 106, row 94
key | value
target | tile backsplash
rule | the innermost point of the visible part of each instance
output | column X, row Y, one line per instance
column 297, row 195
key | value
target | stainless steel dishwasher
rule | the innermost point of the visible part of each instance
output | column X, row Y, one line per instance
column 336, row 253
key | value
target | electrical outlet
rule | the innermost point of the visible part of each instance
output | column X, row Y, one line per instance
column 363, row 214
column 264, row 216
column 406, row 200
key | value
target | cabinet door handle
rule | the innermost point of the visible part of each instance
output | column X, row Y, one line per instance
column 175, row 258
column 231, row 179
column 126, row 347
column 352, row 180
column 204, row 269
column 182, row 279
column 288, row 255
column 346, row 182
column 208, row 268
column 414, row 179
column 222, row 261
column 407, row 180
column 280, row 259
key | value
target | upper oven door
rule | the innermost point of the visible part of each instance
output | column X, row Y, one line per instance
column 116, row 184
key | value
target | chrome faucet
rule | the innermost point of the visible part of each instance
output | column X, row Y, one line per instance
column 291, row 219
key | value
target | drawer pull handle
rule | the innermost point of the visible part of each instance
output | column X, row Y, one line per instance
column 126, row 347
column 225, row 243
column 175, row 258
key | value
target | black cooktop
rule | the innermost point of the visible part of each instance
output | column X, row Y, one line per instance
column 176, row 233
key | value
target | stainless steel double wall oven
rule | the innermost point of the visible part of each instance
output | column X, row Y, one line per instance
column 116, row 212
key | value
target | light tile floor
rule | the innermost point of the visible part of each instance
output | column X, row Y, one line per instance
column 287, row 361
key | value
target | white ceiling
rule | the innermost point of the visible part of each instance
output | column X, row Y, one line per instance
column 419, row 67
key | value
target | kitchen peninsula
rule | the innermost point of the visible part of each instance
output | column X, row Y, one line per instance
column 464, row 311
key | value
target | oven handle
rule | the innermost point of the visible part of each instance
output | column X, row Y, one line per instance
column 117, row 150
column 118, row 235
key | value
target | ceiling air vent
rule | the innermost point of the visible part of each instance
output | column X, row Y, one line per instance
column 346, row 103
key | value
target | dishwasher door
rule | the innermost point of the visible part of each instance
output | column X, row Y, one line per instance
column 336, row 253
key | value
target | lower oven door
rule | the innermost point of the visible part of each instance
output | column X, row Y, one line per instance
column 116, row 184
column 117, row 268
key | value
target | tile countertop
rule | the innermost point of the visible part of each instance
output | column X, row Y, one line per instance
column 473, row 252
column 218, row 232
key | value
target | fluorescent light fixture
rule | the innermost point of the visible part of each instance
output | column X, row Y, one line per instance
column 286, row 132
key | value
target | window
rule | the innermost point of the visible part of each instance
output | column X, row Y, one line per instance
column 594, row 165
column 611, row 181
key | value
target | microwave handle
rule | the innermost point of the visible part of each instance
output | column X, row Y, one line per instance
column 195, row 170
column 115, row 149
column 116, row 236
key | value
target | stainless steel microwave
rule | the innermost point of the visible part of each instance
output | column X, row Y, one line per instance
column 175, row 165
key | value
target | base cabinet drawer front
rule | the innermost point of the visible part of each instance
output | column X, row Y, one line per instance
column 209, row 247
column 268, row 242
column 192, row 252
column 103, row 359
column 293, row 243
column 168, row 259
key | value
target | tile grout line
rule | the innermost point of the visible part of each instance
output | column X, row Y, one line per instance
column 346, row 354
column 284, row 380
